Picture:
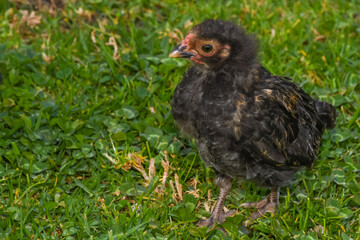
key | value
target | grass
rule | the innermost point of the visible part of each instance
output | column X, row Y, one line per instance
column 88, row 147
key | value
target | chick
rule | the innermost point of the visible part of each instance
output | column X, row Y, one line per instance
column 247, row 123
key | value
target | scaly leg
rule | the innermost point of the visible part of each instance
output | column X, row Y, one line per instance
column 218, row 214
column 268, row 204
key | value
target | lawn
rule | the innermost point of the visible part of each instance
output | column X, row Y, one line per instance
column 88, row 146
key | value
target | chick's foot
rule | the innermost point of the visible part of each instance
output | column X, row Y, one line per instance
column 269, row 204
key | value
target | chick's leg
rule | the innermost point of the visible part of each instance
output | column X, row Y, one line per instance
column 218, row 215
column 268, row 204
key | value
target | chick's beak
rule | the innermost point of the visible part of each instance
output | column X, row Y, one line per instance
column 180, row 51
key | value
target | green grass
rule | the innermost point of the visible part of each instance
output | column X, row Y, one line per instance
column 79, row 124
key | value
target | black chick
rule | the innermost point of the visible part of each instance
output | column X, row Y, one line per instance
column 247, row 123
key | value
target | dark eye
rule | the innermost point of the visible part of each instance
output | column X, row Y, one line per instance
column 207, row 48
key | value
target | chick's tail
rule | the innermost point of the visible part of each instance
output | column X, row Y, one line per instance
column 327, row 113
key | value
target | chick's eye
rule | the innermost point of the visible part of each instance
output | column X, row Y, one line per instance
column 207, row 48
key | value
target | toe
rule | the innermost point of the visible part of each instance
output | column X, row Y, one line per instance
column 267, row 208
column 205, row 223
column 223, row 217
column 257, row 214
column 229, row 213
column 258, row 204
column 209, row 222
